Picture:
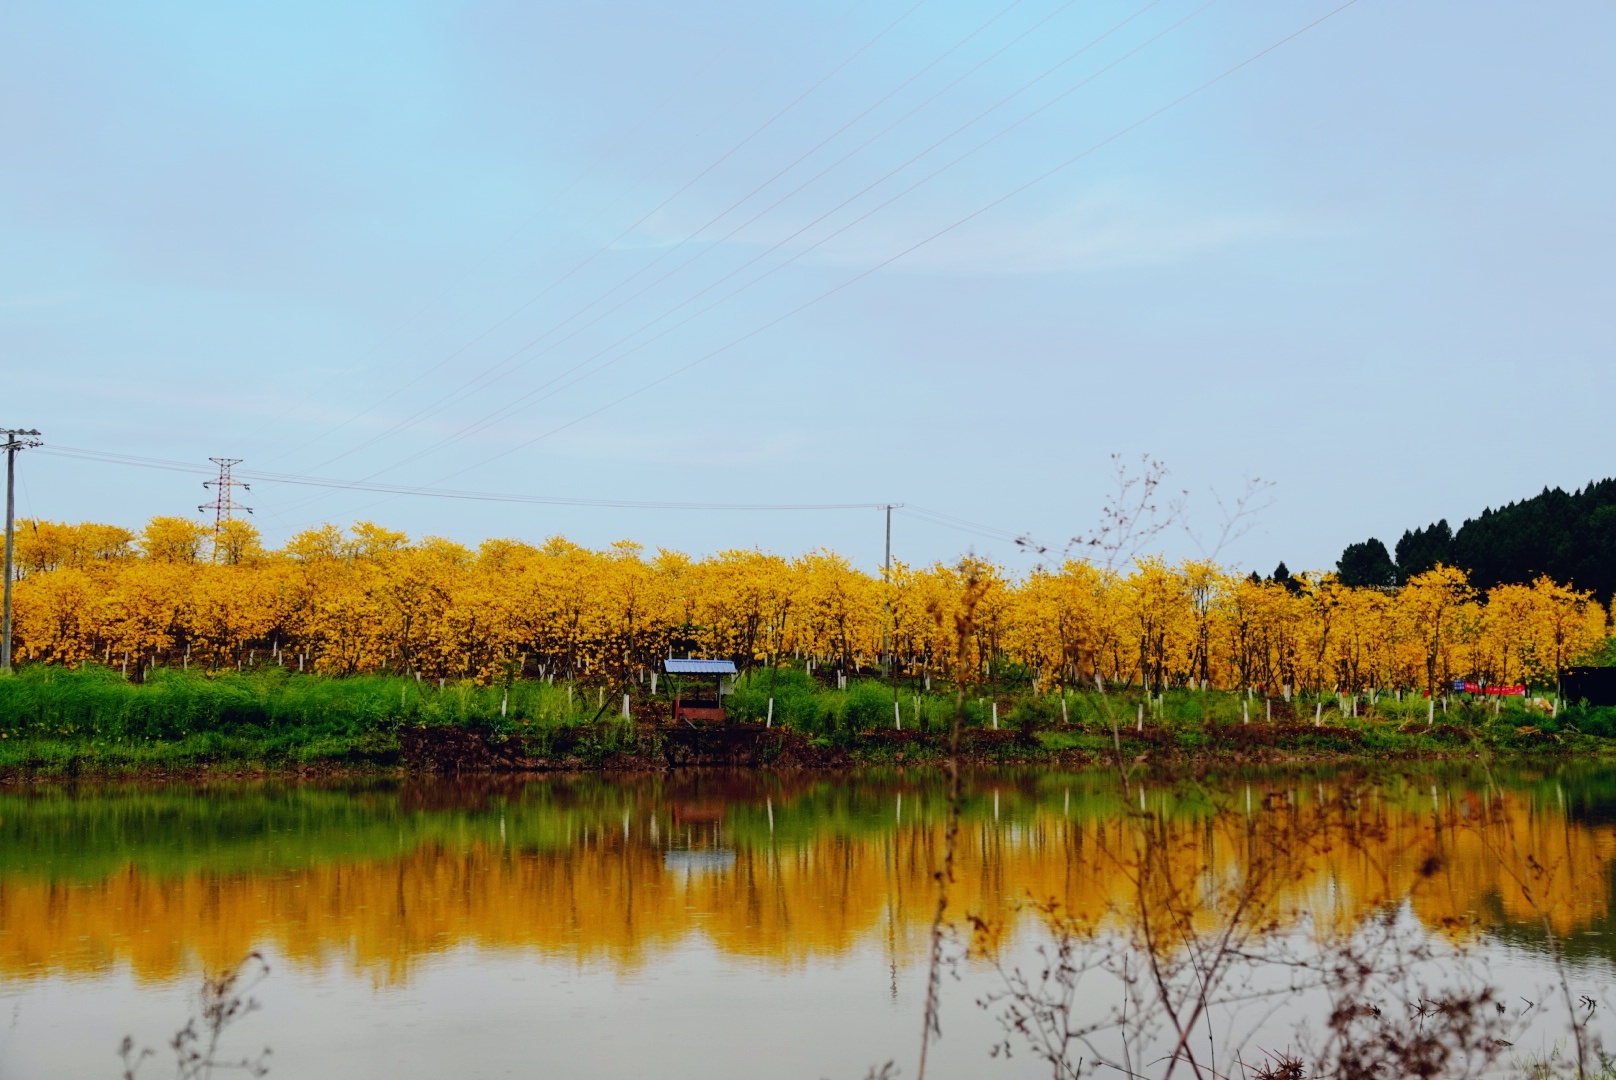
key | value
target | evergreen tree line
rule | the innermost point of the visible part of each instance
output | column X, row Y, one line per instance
column 1568, row 537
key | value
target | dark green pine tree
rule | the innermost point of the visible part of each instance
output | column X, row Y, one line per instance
column 1368, row 563
column 1570, row 537
column 1422, row 549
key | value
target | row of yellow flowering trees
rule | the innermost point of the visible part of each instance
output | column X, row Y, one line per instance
column 369, row 600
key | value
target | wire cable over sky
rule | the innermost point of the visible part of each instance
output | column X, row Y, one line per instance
column 949, row 521
column 700, row 352
column 917, row 513
column 537, row 393
column 910, row 249
column 420, row 309
column 648, row 215
column 511, row 362
column 582, row 370
column 110, row 458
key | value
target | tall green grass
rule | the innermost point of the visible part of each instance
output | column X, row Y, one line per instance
column 54, row 719
column 57, row 720
column 98, row 703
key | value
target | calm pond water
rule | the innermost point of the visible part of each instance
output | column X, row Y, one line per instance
column 720, row 925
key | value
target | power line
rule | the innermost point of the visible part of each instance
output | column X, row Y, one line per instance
column 948, row 521
column 535, row 215
column 1040, row 178
column 910, row 510
column 509, row 408
column 391, row 489
column 110, row 458
column 919, row 513
column 534, row 396
column 493, row 373
column 725, row 156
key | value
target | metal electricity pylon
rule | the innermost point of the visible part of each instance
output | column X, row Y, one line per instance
column 16, row 439
column 223, row 505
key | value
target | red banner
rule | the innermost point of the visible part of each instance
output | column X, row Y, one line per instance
column 1517, row 690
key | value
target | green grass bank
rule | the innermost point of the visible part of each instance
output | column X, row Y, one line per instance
column 58, row 722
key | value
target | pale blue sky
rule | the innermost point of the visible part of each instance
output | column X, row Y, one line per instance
column 355, row 240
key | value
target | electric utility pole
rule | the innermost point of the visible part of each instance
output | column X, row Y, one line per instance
column 222, row 504
column 886, row 597
column 16, row 439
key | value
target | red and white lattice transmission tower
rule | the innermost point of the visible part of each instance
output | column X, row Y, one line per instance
column 223, row 505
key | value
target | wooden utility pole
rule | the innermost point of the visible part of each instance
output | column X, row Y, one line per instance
column 16, row 439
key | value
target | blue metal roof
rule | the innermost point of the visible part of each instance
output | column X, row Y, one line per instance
column 699, row 667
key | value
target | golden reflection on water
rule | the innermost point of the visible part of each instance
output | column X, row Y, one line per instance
column 767, row 870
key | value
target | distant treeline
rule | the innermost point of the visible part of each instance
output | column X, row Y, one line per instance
column 1568, row 537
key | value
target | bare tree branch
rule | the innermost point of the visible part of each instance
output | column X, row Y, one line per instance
column 1235, row 519
column 1138, row 510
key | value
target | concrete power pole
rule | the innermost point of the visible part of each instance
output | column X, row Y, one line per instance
column 886, row 597
column 16, row 439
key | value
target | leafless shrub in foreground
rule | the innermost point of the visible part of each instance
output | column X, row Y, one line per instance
column 1182, row 971
column 1384, row 1021
column 224, row 999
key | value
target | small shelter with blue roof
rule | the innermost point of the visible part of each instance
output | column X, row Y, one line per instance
column 698, row 706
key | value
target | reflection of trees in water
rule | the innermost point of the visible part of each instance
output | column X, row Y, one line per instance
column 791, row 868
column 1166, row 980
